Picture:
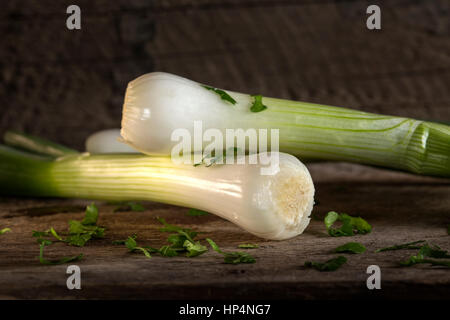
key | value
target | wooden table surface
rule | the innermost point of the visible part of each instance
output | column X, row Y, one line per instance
column 400, row 207
column 64, row 85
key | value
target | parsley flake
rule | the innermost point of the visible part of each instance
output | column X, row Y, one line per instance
column 350, row 225
column 5, row 230
column 428, row 254
column 182, row 241
column 44, row 261
column 409, row 245
column 330, row 265
column 132, row 246
column 257, row 105
column 221, row 93
column 351, row 247
column 232, row 257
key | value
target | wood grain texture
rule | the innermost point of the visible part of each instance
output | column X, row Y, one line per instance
column 65, row 85
column 401, row 208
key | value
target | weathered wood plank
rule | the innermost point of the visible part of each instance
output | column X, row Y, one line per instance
column 401, row 208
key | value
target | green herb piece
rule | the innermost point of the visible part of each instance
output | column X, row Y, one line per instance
column 351, row 247
column 168, row 251
column 196, row 213
column 42, row 260
column 151, row 249
column 181, row 241
column 409, row 245
column 428, row 254
column 144, row 251
column 188, row 233
column 222, row 94
column 448, row 229
column 238, row 257
column 350, row 225
column 79, row 231
column 433, row 251
column 5, row 230
column 211, row 158
column 91, row 215
column 248, row 246
column 214, row 246
column 330, row 219
column 122, row 242
column 53, row 232
column 413, row 260
column 177, row 240
column 78, row 240
column 129, row 206
column 194, row 248
column 330, row 265
column 131, row 243
column 132, row 246
column 82, row 232
column 257, row 105
column 232, row 257
column 41, row 234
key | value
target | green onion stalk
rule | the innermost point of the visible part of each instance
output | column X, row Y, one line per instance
column 270, row 206
column 158, row 103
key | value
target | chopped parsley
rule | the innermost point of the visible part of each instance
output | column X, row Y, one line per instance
column 232, row 257
column 5, row 230
column 168, row 251
column 350, row 225
column 409, row 245
column 80, row 232
column 53, row 232
column 122, row 242
column 182, row 240
column 132, row 246
column 211, row 158
column 221, row 93
column 428, row 254
column 351, row 247
column 42, row 260
column 41, row 234
column 91, row 215
column 257, row 105
column 330, row 265
column 194, row 248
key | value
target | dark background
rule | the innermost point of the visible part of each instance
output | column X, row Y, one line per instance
column 65, row 85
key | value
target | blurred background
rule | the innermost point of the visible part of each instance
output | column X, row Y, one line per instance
column 65, row 84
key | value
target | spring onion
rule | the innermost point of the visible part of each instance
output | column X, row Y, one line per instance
column 107, row 141
column 270, row 206
column 158, row 103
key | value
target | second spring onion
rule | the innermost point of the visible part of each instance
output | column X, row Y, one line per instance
column 158, row 103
